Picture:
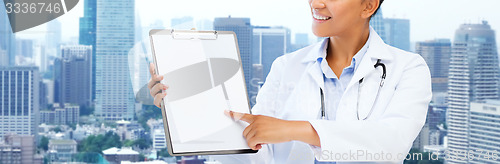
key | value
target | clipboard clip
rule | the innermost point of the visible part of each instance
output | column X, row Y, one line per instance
column 189, row 35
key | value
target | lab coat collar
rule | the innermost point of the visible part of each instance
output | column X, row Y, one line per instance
column 376, row 49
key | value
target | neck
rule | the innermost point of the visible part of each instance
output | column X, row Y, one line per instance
column 341, row 49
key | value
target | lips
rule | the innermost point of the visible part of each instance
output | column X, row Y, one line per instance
column 320, row 17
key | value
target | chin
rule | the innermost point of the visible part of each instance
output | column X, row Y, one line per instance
column 320, row 32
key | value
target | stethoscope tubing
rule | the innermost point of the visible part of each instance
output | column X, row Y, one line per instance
column 382, row 78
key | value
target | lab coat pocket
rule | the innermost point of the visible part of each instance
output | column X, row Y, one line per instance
column 367, row 95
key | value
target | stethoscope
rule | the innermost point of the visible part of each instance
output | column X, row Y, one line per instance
column 323, row 112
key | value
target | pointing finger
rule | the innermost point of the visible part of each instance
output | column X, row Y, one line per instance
column 240, row 116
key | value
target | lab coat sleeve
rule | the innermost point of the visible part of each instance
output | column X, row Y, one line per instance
column 390, row 135
column 265, row 105
column 266, row 100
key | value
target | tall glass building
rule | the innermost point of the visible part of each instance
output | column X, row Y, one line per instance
column 397, row 33
column 19, row 100
column 268, row 44
column 114, row 39
column 88, row 33
column 437, row 55
column 377, row 22
column 473, row 76
column 244, row 34
column 484, row 131
column 76, row 75
column 7, row 39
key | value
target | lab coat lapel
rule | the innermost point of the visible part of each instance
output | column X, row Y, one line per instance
column 316, row 74
column 377, row 49
column 367, row 95
column 314, row 68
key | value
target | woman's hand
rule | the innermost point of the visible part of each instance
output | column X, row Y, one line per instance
column 156, row 89
column 269, row 130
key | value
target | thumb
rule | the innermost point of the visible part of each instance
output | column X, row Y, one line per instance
column 240, row 116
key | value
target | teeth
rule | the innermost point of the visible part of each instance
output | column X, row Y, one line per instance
column 320, row 17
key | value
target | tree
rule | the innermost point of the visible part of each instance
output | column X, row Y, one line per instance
column 100, row 142
column 142, row 157
column 163, row 153
column 57, row 129
column 142, row 143
column 148, row 112
column 44, row 143
column 128, row 143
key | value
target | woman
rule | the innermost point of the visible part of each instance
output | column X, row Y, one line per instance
column 375, row 96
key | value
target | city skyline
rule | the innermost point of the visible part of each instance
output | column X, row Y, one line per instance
column 299, row 21
column 464, row 69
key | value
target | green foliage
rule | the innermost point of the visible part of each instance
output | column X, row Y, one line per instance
column 44, row 143
column 99, row 143
column 57, row 129
column 148, row 112
column 88, row 157
column 72, row 126
column 128, row 143
column 163, row 153
column 142, row 157
column 141, row 143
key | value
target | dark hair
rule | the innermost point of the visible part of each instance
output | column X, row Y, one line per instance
column 380, row 4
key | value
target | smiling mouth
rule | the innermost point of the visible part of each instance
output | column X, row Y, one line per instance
column 319, row 17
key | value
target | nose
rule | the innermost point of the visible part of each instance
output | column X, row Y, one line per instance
column 317, row 4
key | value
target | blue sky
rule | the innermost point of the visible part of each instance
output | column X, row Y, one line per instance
column 429, row 18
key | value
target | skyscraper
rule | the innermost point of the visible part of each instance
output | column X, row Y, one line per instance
column 57, row 70
column 88, row 33
column 397, row 33
column 4, row 59
column 53, row 37
column 76, row 75
column 437, row 55
column 7, row 38
column 301, row 41
column 19, row 101
column 114, row 39
column 24, row 48
column 244, row 34
column 268, row 44
column 484, row 129
column 473, row 76
column 377, row 22
column 302, row 38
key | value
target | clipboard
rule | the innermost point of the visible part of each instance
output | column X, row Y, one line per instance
column 205, row 76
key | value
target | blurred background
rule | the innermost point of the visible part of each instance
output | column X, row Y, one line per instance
column 73, row 89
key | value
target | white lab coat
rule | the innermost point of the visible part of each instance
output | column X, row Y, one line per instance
column 291, row 92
